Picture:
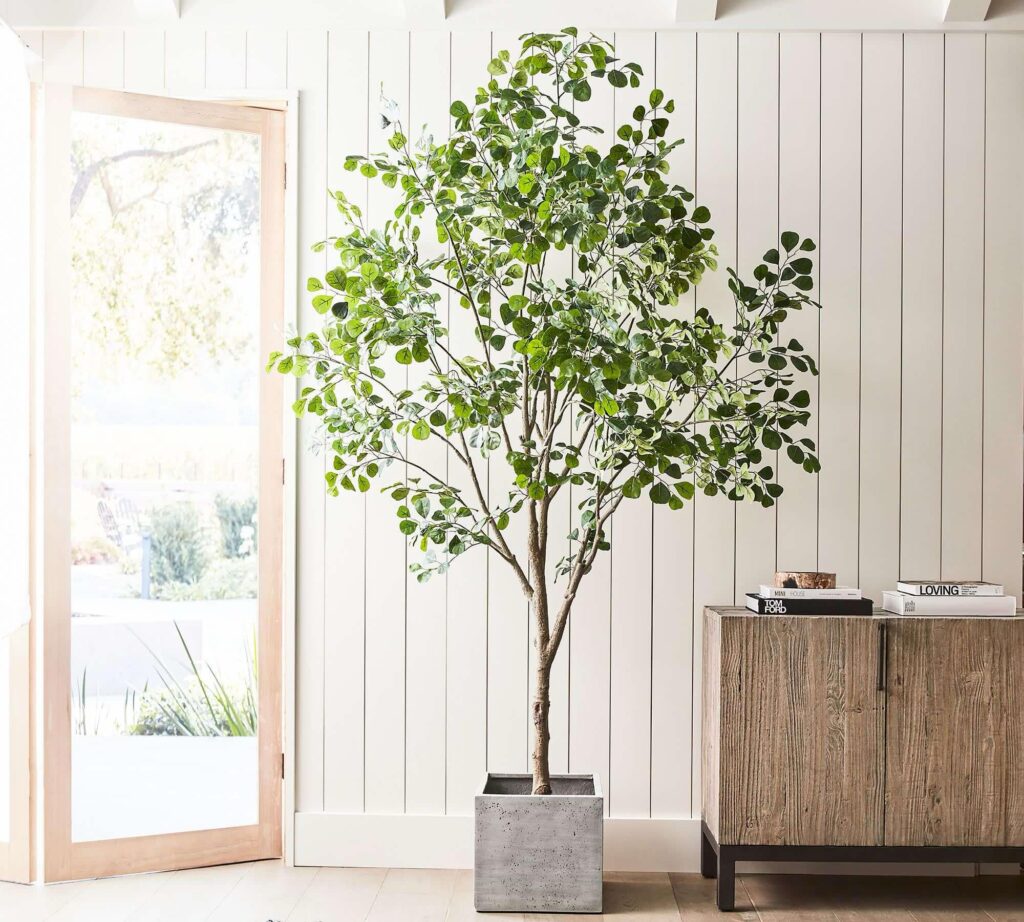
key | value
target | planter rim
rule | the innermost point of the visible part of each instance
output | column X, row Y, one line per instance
column 564, row 776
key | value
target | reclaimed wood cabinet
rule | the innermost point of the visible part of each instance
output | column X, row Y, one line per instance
column 860, row 739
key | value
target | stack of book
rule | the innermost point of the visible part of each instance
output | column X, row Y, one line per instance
column 840, row 600
column 949, row 598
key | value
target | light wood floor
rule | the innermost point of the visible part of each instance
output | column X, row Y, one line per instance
column 267, row 890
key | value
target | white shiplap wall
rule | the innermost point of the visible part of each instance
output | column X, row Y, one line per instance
column 900, row 154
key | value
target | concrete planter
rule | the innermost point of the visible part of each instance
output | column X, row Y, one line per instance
column 539, row 854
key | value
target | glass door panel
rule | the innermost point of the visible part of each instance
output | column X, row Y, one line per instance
column 165, row 322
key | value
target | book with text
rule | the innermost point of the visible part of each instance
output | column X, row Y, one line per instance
column 808, row 606
column 942, row 588
column 952, row 606
column 840, row 592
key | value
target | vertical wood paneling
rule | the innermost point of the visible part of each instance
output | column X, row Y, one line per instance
column 590, row 632
column 509, row 681
column 103, row 58
column 266, row 59
column 1003, row 409
column 672, row 552
column 629, row 781
column 839, row 273
column 63, row 57
column 881, row 282
column 225, row 59
column 345, row 514
column 466, row 693
column 144, row 60
column 385, row 546
column 757, row 231
column 799, row 186
column 963, row 306
column 426, row 602
column 921, row 410
column 307, row 73
column 714, row 517
column 185, row 60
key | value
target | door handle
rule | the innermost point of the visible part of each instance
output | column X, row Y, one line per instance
column 883, row 654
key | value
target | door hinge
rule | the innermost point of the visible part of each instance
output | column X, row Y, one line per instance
column 285, row 169
column 282, row 471
column 282, row 764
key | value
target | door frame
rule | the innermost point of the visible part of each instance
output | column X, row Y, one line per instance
column 63, row 859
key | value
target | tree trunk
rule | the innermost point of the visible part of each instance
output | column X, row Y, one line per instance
column 541, row 733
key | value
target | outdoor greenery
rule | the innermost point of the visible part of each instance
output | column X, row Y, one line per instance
column 599, row 380
column 224, row 579
column 178, row 547
column 237, row 524
column 143, row 194
column 201, row 704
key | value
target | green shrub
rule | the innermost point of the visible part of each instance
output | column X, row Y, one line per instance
column 178, row 549
column 224, row 579
column 235, row 516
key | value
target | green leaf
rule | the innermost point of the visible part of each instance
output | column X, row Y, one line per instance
column 459, row 109
column 801, row 399
column 789, row 240
column 421, row 430
column 314, row 284
column 322, row 303
column 581, row 91
column 617, row 78
column 796, row 453
column 660, row 494
column 701, row 215
column 656, row 98
column 771, row 439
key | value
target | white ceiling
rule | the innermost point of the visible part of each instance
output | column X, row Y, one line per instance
column 905, row 15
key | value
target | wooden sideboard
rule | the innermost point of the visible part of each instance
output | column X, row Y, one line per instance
column 886, row 738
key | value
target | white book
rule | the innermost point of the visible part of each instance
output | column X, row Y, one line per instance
column 902, row 603
column 943, row 588
column 840, row 592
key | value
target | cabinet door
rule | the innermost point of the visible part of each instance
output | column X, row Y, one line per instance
column 955, row 750
column 802, row 722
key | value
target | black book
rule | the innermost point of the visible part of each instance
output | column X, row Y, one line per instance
column 808, row 606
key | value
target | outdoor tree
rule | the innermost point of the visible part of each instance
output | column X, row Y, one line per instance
column 164, row 218
column 584, row 381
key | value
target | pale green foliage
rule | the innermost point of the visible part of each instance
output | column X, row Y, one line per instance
column 162, row 221
column 589, row 380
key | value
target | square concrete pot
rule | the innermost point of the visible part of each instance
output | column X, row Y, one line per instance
column 539, row 854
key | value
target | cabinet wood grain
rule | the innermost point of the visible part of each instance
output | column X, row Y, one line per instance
column 799, row 723
column 955, row 746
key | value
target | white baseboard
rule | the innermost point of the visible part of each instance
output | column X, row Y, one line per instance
column 404, row 841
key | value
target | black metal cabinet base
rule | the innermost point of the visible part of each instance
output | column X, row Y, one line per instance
column 720, row 860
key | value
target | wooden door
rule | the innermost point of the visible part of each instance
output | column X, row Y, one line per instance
column 955, row 747
column 801, row 730
column 156, row 819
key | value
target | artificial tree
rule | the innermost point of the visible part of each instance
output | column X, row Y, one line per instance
column 583, row 380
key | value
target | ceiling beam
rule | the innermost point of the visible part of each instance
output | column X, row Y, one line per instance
column 965, row 10
column 696, row 10
column 426, row 12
